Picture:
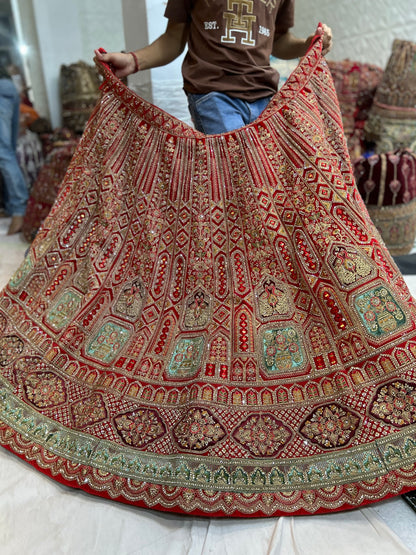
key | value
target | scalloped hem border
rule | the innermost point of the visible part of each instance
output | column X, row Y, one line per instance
column 204, row 502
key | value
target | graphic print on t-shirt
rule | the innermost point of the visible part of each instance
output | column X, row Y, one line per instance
column 270, row 4
column 239, row 19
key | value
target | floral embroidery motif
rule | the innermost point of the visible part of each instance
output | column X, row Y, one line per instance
column 197, row 311
column 63, row 311
column 44, row 389
column 30, row 365
column 263, row 435
column 88, row 411
column 395, row 403
column 10, row 348
column 272, row 299
column 186, row 357
column 130, row 301
column 282, row 351
column 3, row 323
column 330, row 426
column 108, row 342
column 348, row 265
column 20, row 274
column 139, row 427
column 198, row 430
column 379, row 311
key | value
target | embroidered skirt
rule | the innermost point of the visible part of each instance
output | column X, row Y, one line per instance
column 212, row 324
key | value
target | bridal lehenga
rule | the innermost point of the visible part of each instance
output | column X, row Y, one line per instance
column 211, row 324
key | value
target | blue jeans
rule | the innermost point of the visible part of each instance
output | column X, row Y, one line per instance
column 216, row 112
column 15, row 189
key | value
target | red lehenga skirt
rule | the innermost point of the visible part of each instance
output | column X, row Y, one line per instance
column 212, row 324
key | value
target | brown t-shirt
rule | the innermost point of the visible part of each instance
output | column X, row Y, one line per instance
column 230, row 43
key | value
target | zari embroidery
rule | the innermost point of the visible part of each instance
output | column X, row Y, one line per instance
column 211, row 324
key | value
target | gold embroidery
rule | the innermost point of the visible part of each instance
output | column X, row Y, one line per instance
column 349, row 265
column 273, row 299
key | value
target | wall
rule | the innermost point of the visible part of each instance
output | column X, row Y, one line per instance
column 26, row 33
column 135, row 21
column 61, row 32
column 166, row 81
column 363, row 30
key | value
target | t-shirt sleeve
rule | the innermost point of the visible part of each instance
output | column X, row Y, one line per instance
column 179, row 10
column 285, row 18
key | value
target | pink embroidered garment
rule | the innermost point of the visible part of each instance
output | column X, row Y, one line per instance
column 211, row 324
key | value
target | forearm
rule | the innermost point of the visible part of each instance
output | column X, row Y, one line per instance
column 162, row 51
column 287, row 46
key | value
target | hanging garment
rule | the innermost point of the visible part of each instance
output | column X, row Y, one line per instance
column 45, row 189
column 391, row 122
column 212, row 324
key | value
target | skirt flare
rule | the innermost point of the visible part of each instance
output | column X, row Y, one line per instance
column 211, row 324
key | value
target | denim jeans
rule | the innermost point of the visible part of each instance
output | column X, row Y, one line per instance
column 216, row 112
column 15, row 189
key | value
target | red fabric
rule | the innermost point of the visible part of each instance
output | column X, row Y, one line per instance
column 356, row 84
column 60, row 148
column 211, row 324
column 387, row 179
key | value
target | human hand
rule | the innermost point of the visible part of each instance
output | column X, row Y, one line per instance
column 121, row 63
column 326, row 33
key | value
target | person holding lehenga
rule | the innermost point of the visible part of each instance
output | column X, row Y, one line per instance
column 227, row 74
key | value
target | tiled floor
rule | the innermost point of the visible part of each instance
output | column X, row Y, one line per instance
column 395, row 512
column 12, row 251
